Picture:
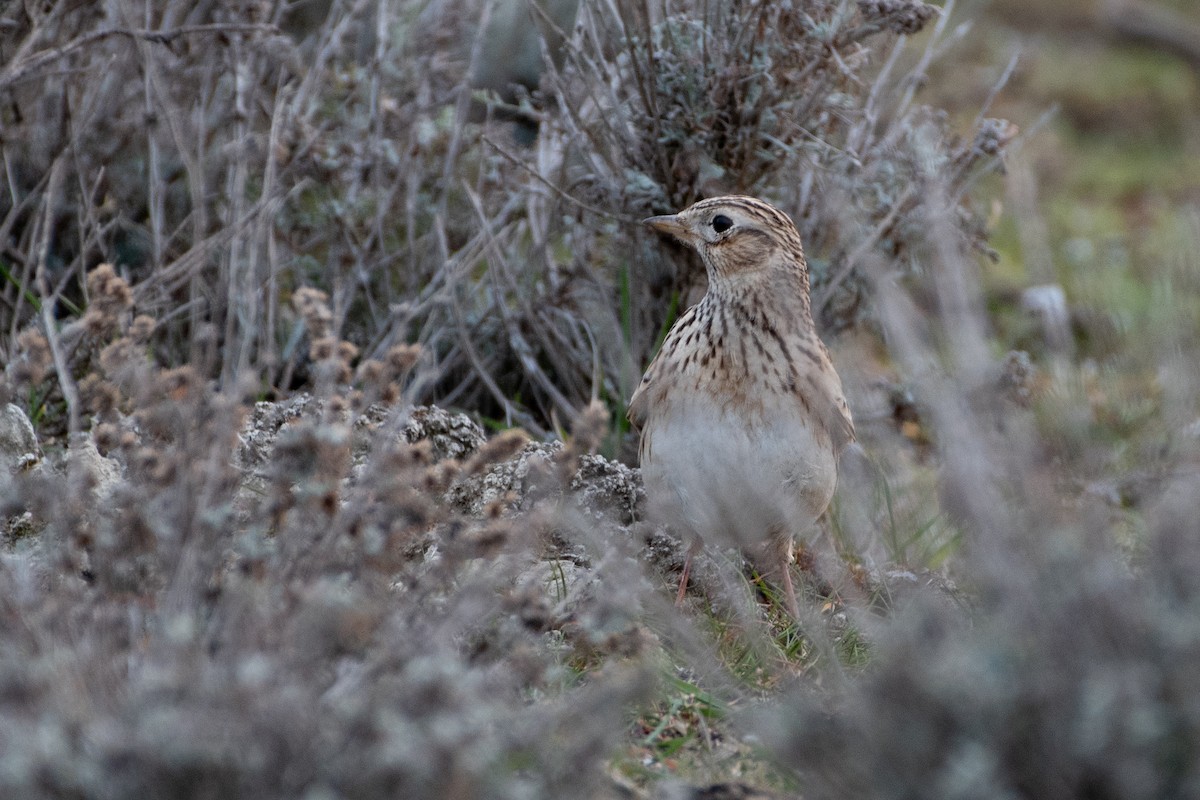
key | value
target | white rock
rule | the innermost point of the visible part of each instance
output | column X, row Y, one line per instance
column 19, row 449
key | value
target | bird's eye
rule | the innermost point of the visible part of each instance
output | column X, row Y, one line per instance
column 721, row 223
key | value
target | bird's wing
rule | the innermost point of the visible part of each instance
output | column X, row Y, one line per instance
column 833, row 411
column 637, row 404
column 820, row 392
column 841, row 424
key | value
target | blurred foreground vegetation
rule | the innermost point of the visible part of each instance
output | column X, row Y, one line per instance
column 242, row 242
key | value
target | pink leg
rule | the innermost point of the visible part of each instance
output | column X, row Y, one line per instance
column 683, row 579
column 790, row 593
column 779, row 541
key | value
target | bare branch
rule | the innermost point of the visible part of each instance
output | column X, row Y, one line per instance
column 19, row 70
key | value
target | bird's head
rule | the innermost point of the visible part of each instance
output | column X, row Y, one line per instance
column 736, row 236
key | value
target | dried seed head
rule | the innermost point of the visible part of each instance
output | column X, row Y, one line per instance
column 437, row 478
column 337, row 357
column 403, row 357
column 100, row 396
column 307, row 451
column 109, row 296
column 313, row 306
column 405, row 456
column 322, row 348
column 34, row 360
column 590, row 428
column 372, row 372
column 119, row 354
column 179, row 384
column 994, row 135
column 904, row 17
column 97, row 324
column 154, row 465
column 487, row 539
column 496, row 508
column 499, row 448
column 142, row 328
column 108, row 438
column 106, row 286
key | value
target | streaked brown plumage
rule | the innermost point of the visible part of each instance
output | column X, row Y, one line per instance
column 741, row 413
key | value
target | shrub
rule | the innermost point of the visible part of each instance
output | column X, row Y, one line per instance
column 220, row 165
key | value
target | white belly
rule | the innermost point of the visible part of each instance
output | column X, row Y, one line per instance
column 732, row 481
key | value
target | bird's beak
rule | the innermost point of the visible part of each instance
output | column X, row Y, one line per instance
column 670, row 223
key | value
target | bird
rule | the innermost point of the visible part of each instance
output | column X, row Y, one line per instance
column 742, row 416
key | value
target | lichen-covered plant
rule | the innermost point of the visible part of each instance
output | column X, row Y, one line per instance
column 221, row 156
column 214, row 598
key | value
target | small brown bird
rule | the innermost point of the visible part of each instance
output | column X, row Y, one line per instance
column 741, row 413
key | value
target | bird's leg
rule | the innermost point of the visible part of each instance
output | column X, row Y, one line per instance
column 790, row 593
column 693, row 548
column 683, row 579
column 781, row 548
